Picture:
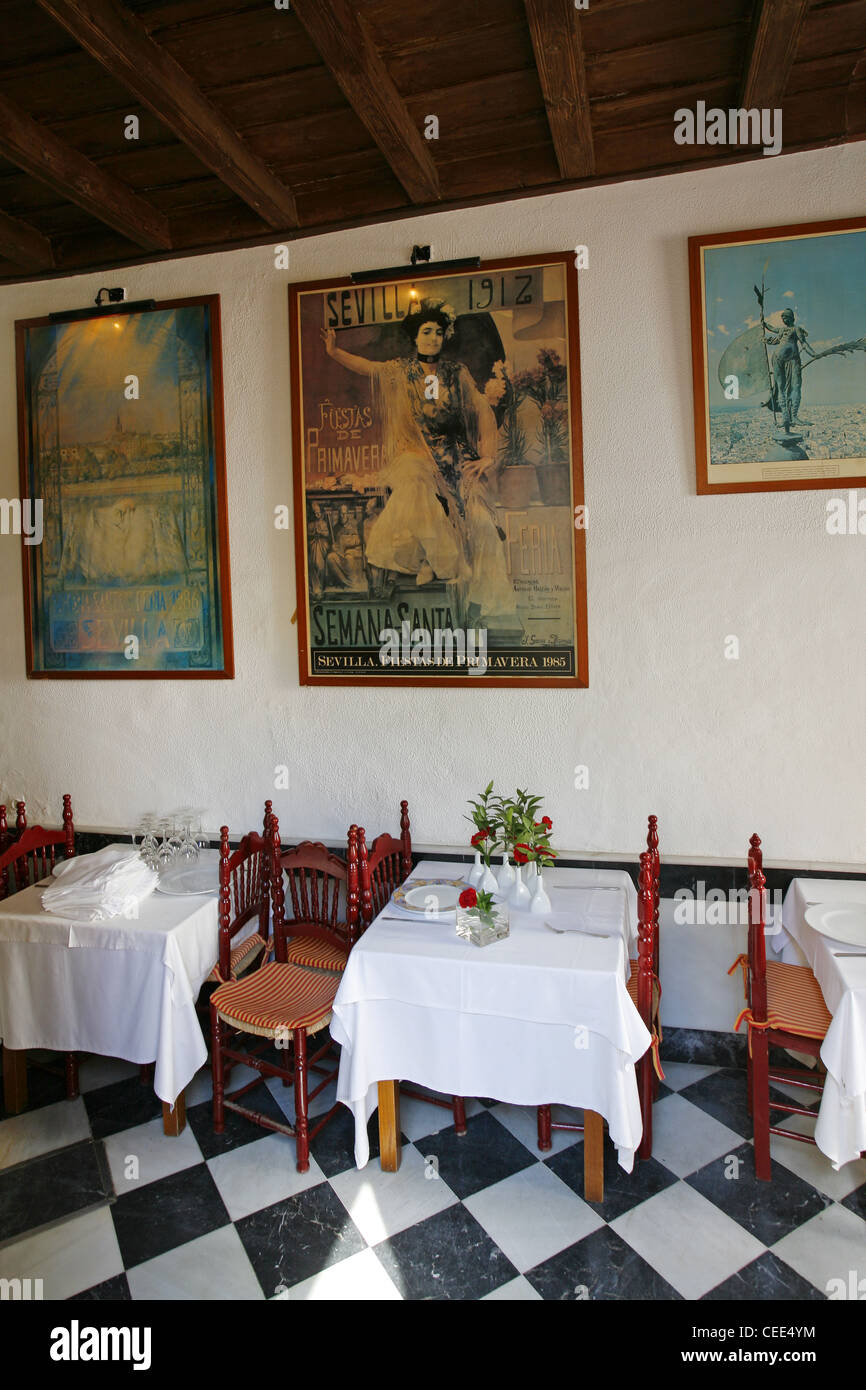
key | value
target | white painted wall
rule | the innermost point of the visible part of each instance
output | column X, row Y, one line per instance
column 775, row 741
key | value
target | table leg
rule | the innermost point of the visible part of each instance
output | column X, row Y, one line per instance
column 390, row 1152
column 14, row 1081
column 174, row 1121
column 593, row 1156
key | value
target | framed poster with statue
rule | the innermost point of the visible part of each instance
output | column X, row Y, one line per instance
column 122, row 457
column 779, row 357
column 438, row 478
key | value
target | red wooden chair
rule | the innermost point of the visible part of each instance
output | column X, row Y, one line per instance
column 28, row 858
column 644, row 991
column 255, row 948
column 281, row 1003
column 784, row 1008
column 319, row 935
column 389, row 864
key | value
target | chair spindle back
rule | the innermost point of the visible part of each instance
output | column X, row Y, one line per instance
column 245, row 890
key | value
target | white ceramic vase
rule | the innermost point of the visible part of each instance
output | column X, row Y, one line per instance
column 531, row 875
column 519, row 896
column 477, row 870
column 487, row 882
column 505, row 876
column 540, row 901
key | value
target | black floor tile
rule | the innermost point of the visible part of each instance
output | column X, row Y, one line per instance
column 601, row 1268
column 768, row 1210
column 856, row 1201
column 121, row 1105
column 114, row 1290
column 167, row 1213
column 723, row 1095
column 622, row 1190
column 767, row 1279
column 299, row 1237
column 55, row 1185
column 485, row 1154
column 334, row 1146
column 238, row 1130
column 449, row 1257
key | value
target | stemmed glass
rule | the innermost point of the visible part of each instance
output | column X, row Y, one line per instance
column 166, row 849
column 189, row 845
column 147, row 845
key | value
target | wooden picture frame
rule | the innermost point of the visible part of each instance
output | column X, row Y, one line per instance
column 122, row 441
column 767, row 304
column 439, row 505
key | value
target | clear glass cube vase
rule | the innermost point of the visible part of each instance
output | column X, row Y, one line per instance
column 483, row 927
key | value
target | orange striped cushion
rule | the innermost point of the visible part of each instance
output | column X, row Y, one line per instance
column 275, row 998
column 316, row 955
column 238, row 958
column 631, row 986
column 795, row 1003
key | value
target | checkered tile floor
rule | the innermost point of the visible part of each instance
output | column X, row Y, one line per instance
column 99, row 1205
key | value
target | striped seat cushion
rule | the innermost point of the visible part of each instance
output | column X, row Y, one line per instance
column 240, row 957
column 631, row 986
column 317, row 955
column 276, row 999
column 795, row 1003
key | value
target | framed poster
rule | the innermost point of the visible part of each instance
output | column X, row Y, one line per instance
column 122, row 455
column 779, row 357
column 439, row 511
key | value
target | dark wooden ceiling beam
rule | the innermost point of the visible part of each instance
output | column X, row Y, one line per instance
column 117, row 39
column 23, row 245
column 347, row 49
column 34, row 148
column 555, row 29
column 776, row 26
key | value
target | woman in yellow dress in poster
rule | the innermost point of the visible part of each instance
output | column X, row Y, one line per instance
column 440, row 441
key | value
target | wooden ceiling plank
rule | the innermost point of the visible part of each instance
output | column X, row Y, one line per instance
column 33, row 148
column 555, row 29
column 346, row 48
column 776, row 26
column 117, row 39
column 24, row 245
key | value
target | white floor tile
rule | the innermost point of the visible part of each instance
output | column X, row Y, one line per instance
column 261, row 1173
column 156, row 1154
column 687, row 1239
column 94, row 1072
column 418, row 1118
column 359, row 1279
column 215, row 1266
column 532, row 1215
column 686, row 1137
column 68, row 1257
column 515, row 1291
column 522, row 1122
column 40, row 1131
column 809, row 1163
column 827, row 1247
column 285, row 1097
column 381, row 1204
column 680, row 1074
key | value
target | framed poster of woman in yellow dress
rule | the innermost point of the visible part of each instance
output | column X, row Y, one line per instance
column 439, row 510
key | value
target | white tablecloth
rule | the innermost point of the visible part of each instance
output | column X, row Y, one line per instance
column 535, row 1018
column 118, row 988
column 840, row 1131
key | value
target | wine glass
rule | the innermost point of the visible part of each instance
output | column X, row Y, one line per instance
column 165, row 850
column 189, row 845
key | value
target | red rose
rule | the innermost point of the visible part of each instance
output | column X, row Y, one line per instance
column 545, row 820
column 479, row 836
column 519, row 855
column 468, row 898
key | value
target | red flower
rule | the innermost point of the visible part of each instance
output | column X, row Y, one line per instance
column 545, row 820
column 479, row 836
column 519, row 855
column 468, row 898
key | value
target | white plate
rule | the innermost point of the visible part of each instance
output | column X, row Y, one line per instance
column 840, row 921
column 433, row 897
column 191, row 880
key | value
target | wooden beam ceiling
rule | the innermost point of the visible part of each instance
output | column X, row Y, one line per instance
column 117, row 39
column 776, row 27
column 34, row 148
column 23, row 245
column 347, row 49
column 555, row 29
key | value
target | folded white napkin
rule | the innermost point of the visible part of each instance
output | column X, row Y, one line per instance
column 93, row 887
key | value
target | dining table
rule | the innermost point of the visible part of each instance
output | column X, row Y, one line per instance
column 839, row 966
column 541, row 1016
column 125, row 986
